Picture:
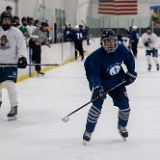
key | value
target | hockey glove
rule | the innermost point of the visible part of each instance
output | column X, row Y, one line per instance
column 130, row 78
column 22, row 62
column 146, row 44
column 98, row 93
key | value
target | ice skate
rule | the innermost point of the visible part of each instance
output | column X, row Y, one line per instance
column 157, row 66
column 12, row 114
column 40, row 73
column 123, row 132
column 149, row 67
column 86, row 137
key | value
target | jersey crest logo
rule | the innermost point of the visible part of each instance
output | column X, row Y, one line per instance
column 4, row 43
column 114, row 69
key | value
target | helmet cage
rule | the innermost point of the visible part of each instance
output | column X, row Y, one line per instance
column 110, row 49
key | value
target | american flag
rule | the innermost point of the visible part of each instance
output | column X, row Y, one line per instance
column 117, row 7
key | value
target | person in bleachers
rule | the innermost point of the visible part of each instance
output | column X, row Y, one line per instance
column 9, row 9
column 155, row 18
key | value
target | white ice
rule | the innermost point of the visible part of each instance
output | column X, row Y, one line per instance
column 40, row 134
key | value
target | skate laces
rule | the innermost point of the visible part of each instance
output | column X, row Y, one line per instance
column 122, row 129
column 88, row 134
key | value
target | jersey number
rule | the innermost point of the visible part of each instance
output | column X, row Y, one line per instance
column 79, row 35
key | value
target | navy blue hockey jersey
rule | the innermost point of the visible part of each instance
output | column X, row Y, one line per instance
column 135, row 37
column 106, row 69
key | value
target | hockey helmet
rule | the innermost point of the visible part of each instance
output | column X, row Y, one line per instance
column 108, row 34
column 44, row 24
column 24, row 19
column 6, row 15
column 23, row 29
column 148, row 28
column 15, row 17
column 135, row 27
column 76, row 27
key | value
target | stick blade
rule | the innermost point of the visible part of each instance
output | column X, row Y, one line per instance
column 65, row 119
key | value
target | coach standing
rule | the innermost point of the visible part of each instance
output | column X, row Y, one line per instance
column 35, row 44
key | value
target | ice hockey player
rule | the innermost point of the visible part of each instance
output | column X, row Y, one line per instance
column 104, row 71
column 150, row 41
column 25, row 35
column 30, row 23
column 25, row 24
column 78, row 41
column 12, row 50
column 15, row 22
column 135, row 40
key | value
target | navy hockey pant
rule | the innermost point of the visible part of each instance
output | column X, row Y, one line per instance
column 79, row 47
column 134, row 48
column 120, row 100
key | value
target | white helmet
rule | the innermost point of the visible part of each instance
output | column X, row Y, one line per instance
column 134, row 27
column 76, row 27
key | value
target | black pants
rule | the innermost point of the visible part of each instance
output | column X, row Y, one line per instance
column 134, row 49
column 79, row 47
column 36, row 54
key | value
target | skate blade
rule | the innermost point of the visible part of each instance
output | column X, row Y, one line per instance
column 84, row 142
column 12, row 118
column 40, row 75
column 124, row 139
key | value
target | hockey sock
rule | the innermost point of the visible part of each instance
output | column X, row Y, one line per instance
column 148, row 59
column 0, row 92
column 155, row 60
column 12, row 93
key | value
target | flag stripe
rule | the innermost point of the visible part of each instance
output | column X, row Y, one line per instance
column 118, row 7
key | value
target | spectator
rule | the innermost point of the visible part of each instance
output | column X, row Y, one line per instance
column 49, row 29
column 35, row 44
column 9, row 9
column 156, row 18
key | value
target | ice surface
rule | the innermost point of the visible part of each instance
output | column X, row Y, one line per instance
column 40, row 134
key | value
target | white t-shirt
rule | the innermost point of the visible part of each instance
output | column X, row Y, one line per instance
column 12, row 45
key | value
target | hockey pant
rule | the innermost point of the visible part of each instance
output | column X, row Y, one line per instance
column 134, row 48
column 154, row 55
column 120, row 100
column 79, row 47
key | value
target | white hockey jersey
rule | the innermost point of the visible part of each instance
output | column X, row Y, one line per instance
column 151, row 39
column 12, row 45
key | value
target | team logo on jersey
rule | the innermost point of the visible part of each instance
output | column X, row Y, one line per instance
column 114, row 69
column 4, row 43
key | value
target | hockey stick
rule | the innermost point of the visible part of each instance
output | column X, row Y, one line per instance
column 66, row 119
column 130, row 38
column 83, row 23
column 29, row 64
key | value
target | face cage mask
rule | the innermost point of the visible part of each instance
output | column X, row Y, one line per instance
column 109, row 49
